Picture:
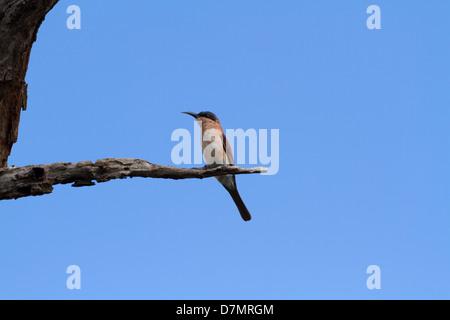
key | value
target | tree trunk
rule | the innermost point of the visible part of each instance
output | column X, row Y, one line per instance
column 19, row 23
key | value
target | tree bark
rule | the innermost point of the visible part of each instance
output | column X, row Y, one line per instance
column 19, row 23
column 35, row 180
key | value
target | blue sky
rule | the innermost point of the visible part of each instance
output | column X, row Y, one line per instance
column 364, row 152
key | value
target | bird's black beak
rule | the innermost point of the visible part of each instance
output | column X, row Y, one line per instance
column 192, row 114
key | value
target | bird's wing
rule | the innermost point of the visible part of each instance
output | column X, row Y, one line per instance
column 227, row 150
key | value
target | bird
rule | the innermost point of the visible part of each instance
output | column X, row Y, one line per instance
column 217, row 151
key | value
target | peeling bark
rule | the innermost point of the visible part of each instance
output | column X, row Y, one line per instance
column 35, row 180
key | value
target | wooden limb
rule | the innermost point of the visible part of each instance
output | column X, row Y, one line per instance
column 35, row 180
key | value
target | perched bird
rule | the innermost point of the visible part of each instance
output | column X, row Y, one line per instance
column 217, row 151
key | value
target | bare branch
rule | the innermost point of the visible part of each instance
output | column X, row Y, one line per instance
column 35, row 180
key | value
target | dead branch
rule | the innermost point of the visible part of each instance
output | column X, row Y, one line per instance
column 35, row 180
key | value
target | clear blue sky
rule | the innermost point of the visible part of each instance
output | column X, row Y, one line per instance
column 364, row 173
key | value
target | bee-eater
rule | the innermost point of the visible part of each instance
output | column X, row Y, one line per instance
column 217, row 151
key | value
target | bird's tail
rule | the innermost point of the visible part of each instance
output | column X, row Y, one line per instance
column 240, row 204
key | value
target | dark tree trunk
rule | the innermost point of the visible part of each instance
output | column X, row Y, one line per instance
column 19, row 23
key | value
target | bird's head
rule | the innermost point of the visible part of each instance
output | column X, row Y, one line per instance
column 203, row 114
